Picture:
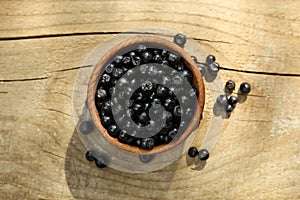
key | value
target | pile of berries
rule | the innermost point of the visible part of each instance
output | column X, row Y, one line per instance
column 230, row 102
column 202, row 154
column 147, row 95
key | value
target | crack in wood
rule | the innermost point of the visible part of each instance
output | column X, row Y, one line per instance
column 24, row 79
column 213, row 41
column 72, row 68
column 262, row 73
column 58, row 111
column 72, row 34
column 56, row 35
column 100, row 33
column 53, row 154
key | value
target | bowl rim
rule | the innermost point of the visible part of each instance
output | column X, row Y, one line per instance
column 94, row 79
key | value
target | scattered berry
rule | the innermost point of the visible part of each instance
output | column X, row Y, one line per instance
column 230, row 86
column 210, row 59
column 89, row 156
column 232, row 100
column 203, row 154
column 245, row 88
column 193, row 152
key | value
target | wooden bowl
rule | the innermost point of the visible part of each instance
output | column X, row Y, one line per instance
column 121, row 49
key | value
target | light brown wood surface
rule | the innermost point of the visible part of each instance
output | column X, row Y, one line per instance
column 42, row 44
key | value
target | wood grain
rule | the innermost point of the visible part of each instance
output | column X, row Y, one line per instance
column 42, row 45
column 238, row 27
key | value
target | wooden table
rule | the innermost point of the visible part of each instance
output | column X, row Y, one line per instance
column 42, row 45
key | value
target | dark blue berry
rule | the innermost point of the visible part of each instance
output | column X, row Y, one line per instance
column 179, row 66
column 203, row 154
column 169, row 124
column 164, row 53
column 146, row 57
column 138, row 142
column 111, row 90
column 180, row 39
column 113, row 130
column 99, row 105
column 89, row 156
column 156, row 101
column 173, row 134
column 169, row 104
column 157, row 59
column 214, row 67
column 232, row 100
column 245, row 88
column 109, row 68
column 106, row 121
column 161, row 137
column 229, row 86
column 118, row 72
column 141, row 97
column 193, row 152
column 177, row 111
column 229, row 108
column 210, row 59
column 106, row 108
column 126, row 60
column 147, row 106
column 131, row 54
column 173, row 58
column 147, row 143
column 123, row 137
column 165, row 62
column 130, row 140
column 100, row 164
column 165, row 139
column 118, row 59
column 137, row 108
column 144, row 118
column 147, row 86
column 161, row 91
column 105, row 78
column 114, row 81
column 136, row 60
column 157, row 51
column 101, row 95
